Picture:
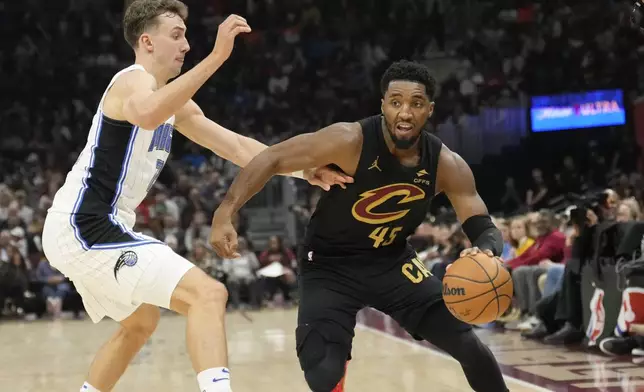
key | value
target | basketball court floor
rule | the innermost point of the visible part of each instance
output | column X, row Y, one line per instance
column 53, row 356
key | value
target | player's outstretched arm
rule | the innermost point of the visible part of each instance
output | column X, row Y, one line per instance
column 456, row 180
column 337, row 144
column 238, row 149
column 144, row 105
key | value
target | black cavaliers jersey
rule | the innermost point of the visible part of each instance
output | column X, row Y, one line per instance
column 384, row 205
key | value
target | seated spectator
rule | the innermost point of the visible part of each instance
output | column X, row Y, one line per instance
column 628, row 210
column 55, row 287
column 519, row 235
column 285, row 282
column 241, row 276
column 203, row 258
column 14, row 282
column 526, row 269
column 521, row 242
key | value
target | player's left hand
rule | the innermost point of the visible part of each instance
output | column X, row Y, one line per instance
column 475, row 250
column 325, row 178
column 223, row 238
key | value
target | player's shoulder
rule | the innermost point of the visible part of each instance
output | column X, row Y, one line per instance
column 133, row 80
column 346, row 131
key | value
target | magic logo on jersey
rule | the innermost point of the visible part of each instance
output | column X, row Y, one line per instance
column 363, row 209
column 162, row 138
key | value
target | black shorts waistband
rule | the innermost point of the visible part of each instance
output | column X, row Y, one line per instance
column 307, row 254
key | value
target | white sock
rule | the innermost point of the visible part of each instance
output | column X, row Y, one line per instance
column 214, row 380
column 87, row 387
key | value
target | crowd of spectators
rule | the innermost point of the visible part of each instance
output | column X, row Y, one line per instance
column 309, row 63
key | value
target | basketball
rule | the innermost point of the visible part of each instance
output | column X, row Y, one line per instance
column 477, row 289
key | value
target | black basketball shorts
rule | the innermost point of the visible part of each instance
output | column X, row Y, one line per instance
column 333, row 290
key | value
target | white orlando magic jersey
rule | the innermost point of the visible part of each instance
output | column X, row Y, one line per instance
column 111, row 176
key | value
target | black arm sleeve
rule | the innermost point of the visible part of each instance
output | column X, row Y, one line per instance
column 483, row 234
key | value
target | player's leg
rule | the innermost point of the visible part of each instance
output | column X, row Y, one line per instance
column 119, row 280
column 457, row 339
column 329, row 302
column 114, row 356
column 171, row 282
column 413, row 297
column 203, row 300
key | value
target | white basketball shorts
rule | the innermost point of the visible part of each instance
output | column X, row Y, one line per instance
column 113, row 278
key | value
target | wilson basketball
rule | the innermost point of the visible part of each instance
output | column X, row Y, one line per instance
column 477, row 289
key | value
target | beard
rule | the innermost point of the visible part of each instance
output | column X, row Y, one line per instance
column 401, row 144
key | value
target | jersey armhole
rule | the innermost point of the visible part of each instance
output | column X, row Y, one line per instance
column 113, row 81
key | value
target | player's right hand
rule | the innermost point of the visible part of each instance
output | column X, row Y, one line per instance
column 223, row 238
column 226, row 33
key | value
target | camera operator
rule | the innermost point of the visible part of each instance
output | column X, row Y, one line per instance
column 560, row 314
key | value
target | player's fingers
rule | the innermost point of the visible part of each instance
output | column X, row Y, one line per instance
column 489, row 253
column 348, row 179
column 238, row 24
column 317, row 182
column 240, row 29
column 226, row 253
column 339, row 178
column 237, row 17
column 216, row 246
column 447, row 267
column 470, row 252
column 232, row 19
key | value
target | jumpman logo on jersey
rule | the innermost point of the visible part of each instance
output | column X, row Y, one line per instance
column 375, row 165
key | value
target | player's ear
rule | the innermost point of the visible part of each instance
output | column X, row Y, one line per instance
column 382, row 105
column 145, row 42
column 431, row 108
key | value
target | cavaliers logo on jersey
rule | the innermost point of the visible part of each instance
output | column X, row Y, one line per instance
column 363, row 209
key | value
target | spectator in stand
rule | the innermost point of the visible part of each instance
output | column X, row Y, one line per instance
column 509, row 251
column 538, row 193
column 278, row 253
column 204, row 259
column 241, row 276
column 628, row 210
column 55, row 287
column 521, row 242
column 199, row 230
column 14, row 281
column 549, row 245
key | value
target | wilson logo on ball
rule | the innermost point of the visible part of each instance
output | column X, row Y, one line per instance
column 453, row 290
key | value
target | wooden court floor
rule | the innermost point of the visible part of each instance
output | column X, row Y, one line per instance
column 54, row 355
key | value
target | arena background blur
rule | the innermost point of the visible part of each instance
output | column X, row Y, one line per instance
column 308, row 63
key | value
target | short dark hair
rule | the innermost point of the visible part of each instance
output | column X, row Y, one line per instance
column 411, row 71
column 140, row 15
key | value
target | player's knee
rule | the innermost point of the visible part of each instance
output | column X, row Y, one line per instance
column 323, row 362
column 468, row 348
column 212, row 294
column 143, row 323
column 197, row 289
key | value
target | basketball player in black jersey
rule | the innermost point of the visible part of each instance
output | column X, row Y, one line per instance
column 356, row 253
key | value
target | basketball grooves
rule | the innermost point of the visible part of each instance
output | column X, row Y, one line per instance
column 498, row 304
column 479, row 295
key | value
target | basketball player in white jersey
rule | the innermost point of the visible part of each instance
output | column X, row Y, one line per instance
column 88, row 231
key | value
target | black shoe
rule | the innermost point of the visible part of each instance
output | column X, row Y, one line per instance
column 537, row 333
column 618, row 346
column 566, row 335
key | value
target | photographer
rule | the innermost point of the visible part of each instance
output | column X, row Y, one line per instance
column 560, row 314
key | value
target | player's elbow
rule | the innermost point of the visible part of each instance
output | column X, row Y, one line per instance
column 144, row 116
